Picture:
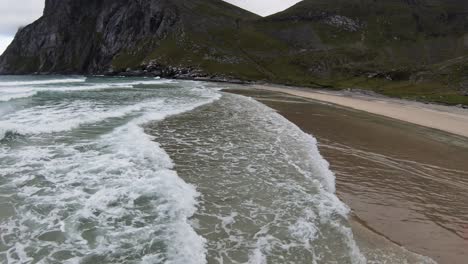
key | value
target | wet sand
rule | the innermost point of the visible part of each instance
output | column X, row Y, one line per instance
column 405, row 182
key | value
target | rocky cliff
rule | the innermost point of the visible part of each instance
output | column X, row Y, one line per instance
column 415, row 49
column 89, row 36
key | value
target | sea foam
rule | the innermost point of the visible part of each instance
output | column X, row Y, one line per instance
column 16, row 90
column 110, row 199
column 42, row 82
column 268, row 194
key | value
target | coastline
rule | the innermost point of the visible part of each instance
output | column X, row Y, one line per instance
column 405, row 184
column 445, row 118
column 448, row 118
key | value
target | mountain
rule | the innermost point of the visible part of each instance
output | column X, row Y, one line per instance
column 411, row 48
column 89, row 36
column 415, row 49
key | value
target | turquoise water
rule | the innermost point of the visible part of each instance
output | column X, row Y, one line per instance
column 122, row 170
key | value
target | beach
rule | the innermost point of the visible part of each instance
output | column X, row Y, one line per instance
column 446, row 118
column 406, row 183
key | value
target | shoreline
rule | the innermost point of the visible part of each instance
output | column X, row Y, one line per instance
column 449, row 119
column 293, row 90
column 387, row 171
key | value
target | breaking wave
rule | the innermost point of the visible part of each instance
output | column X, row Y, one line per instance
column 111, row 198
column 16, row 90
column 43, row 82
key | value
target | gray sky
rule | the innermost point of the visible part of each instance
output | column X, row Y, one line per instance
column 16, row 13
column 264, row 7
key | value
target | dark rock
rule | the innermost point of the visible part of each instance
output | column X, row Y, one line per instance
column 88, row 36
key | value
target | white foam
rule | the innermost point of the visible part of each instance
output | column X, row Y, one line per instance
column 121, row 185
column 14, row 95
column 259, row 254
column 319, row 216
column 124, row 167
column 42, row 82
column 118, row 195
column 155, row 81
column 65, row 116
column 10, row 93
column 331, row 211
column 16, row 90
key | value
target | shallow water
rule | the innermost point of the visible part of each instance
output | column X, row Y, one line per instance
column 121, row 170
column 266, row 191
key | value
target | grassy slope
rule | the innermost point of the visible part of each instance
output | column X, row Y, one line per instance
column 402, row 41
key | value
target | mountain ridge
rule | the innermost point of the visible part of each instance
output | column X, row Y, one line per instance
column 415, row 49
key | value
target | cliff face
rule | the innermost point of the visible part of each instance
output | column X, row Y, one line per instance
column 415, row 49
column 85, row 36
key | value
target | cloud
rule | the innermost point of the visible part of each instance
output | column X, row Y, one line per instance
column 16, row 13
column 4, row 42
column 264, row 7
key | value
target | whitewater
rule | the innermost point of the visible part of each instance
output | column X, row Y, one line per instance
column 146, row 170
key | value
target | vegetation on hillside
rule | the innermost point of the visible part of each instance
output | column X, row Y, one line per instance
column 415, row 49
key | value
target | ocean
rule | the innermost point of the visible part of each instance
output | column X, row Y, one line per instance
column 147, row 170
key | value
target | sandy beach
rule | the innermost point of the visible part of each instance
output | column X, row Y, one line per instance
column 405, row 183
column 450, row 119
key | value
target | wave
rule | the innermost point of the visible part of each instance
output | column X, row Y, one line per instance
column 10, row 96
column 10, row 93
column 70, row 115
column 150, row 82
column 316, row 211
column 268, row 193
column 119, row 191
column 43, row 82
column 331, row 212
column 108, row 198
column 64, row 117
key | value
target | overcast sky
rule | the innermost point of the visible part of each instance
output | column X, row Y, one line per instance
column 264, row 7
column 16, row 13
